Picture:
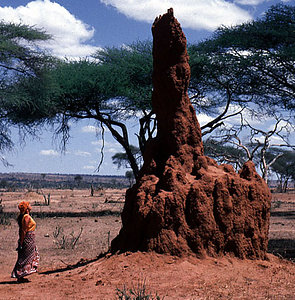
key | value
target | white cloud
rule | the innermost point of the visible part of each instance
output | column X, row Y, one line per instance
column 89, row 168
column 106, row 144
column 283, row 126
column 49, row 152
column 250, row 2
column 195, row 14
column 108, row 147
column 89, row 129
column 112, row 150
column 274, row 140
column 70, row 35
column 82, row 153
column 93, row 129
column 203, row 119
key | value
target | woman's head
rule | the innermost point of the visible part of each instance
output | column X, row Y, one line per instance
column 24, row 207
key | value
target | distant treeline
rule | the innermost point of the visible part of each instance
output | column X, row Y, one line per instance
column 14, row 181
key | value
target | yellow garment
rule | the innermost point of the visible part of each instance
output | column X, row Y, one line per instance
column 32, row 224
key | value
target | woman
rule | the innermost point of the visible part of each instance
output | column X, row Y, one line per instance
column 28, row 256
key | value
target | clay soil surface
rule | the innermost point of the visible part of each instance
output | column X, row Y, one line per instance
column 70, row 269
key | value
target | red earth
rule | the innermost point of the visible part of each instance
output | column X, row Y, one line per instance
column 167, row 276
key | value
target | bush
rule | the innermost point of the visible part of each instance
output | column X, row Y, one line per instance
column 136, row 293
column 65, row 242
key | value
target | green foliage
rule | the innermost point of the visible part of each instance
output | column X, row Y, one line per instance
column 258, row 56
column 130, row 176
column 215, row 78
column 110, row 90
column 284, row 167
column 224, row 153
column 285, row 164
column 20, row 57
column 117, row 83
column 129, row 70
column 81, row 85
column 273, row 32
column 78, row 179
column 18, row 51
column 121, row 159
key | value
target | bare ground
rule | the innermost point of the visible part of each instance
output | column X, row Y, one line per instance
column 170, row 277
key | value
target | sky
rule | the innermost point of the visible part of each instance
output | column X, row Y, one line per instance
column 78, row 29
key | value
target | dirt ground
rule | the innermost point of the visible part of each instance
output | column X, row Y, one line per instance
column 70, row 269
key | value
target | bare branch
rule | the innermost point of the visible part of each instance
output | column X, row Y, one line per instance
column 101, row 149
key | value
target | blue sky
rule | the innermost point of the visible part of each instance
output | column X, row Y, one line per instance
column 79, row 27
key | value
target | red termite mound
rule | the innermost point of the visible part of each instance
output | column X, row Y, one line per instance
column 183, row 202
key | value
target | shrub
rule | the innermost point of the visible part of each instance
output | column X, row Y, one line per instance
column 138, row 292
column 64, row 242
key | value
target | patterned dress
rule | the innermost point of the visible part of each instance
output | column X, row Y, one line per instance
column 28, row 255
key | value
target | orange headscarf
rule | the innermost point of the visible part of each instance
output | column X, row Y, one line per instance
column 23, row 206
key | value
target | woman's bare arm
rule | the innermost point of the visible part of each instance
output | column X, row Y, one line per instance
column 24, row 229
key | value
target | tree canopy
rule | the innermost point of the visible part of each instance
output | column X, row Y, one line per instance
column 19, row 53
column 110, row 89
column 283, row 167
column 20, row 57
column 260, row 55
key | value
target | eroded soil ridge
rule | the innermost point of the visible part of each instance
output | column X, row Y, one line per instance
column 183, row 202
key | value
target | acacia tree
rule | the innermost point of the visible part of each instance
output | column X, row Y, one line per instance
column 284, row 167
column 249, row 67
column 110, row 90
column 121, row 160
column 117, row 85
column 264, row 56
column 19, row 53
column 225, row 153
column 216, row 80
column 19, row 58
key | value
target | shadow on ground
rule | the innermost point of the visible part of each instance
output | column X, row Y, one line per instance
column 80, row 263
column 9, row 282
column 282, row 247
column 285, row 214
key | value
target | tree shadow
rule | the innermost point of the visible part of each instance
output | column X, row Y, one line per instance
column 284, row 248
column 68, row 214
column 285, row 214
column 79, row 264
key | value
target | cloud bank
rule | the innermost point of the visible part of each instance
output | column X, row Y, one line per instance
column 194, row 14
column 70, row 35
